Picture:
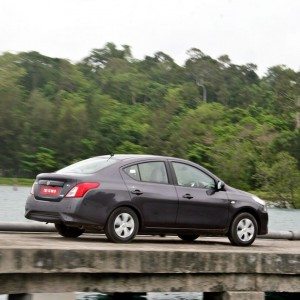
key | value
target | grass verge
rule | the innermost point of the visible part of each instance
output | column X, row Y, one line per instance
column 16, row 181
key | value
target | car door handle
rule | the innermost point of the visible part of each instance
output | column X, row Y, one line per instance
column 136, row 192
column 188, row 196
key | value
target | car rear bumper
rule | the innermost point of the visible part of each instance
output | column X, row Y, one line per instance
column 67, row 211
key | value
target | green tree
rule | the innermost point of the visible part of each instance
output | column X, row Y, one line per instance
column 281, row 178
column 43, row 160
column 11, row 113
column 111, row 102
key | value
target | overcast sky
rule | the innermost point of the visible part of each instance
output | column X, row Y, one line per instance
column 264, row 32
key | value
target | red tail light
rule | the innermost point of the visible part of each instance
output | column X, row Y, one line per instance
column 81, row 189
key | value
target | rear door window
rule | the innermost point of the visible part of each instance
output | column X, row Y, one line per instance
column 153, row 172
column 133, row 172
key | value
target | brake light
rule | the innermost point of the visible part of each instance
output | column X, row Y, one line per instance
column 81, row 189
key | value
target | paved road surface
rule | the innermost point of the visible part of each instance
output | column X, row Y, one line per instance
column 46, row 262
column 14, row 240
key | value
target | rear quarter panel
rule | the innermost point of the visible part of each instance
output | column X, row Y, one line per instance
column 98, row 204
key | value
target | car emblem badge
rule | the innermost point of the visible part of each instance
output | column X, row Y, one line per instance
column 48, row 182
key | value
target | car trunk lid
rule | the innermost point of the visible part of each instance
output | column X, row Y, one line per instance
column 52, row 186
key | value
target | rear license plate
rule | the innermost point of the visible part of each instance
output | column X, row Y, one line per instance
column 53, row 191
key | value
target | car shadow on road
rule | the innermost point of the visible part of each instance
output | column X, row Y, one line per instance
column 93, row 238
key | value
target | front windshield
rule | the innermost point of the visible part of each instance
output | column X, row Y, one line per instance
column 88, row 166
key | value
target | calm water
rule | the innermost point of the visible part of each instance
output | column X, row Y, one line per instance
column 12, row 210
column 13, row 203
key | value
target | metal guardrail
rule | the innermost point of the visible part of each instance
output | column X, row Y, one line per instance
column 41, row 227
column 282, row 235
column 26, row 227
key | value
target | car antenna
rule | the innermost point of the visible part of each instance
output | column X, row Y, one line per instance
column 111, row 155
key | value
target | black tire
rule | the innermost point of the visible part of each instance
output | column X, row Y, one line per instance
column 68, row 231
column 243, row 221
column 188, row 237
column 122, row 225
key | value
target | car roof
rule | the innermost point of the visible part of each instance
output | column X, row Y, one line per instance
column 136, row 156
column 132, row 158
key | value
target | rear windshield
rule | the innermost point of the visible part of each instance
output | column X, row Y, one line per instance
column 88, row 166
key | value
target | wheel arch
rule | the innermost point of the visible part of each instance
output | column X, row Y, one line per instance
column 250, row 210
column 131, row 206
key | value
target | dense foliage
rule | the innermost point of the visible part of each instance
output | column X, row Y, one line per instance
column 211, row 111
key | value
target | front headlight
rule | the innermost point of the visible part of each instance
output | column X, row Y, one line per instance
column 260, row 201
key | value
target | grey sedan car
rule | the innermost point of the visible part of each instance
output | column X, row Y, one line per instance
column 125, row 195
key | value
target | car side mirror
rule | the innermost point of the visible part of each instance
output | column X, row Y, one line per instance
column 220, row 185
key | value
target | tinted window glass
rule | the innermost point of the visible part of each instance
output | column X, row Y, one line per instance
column 153, row 172
column 192, row 177
column 133, row 172
column 88, row 166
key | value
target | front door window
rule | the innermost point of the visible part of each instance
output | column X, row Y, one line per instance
column 189, row 176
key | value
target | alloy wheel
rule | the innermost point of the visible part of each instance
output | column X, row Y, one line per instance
column 245, row 230
column 124, row 225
